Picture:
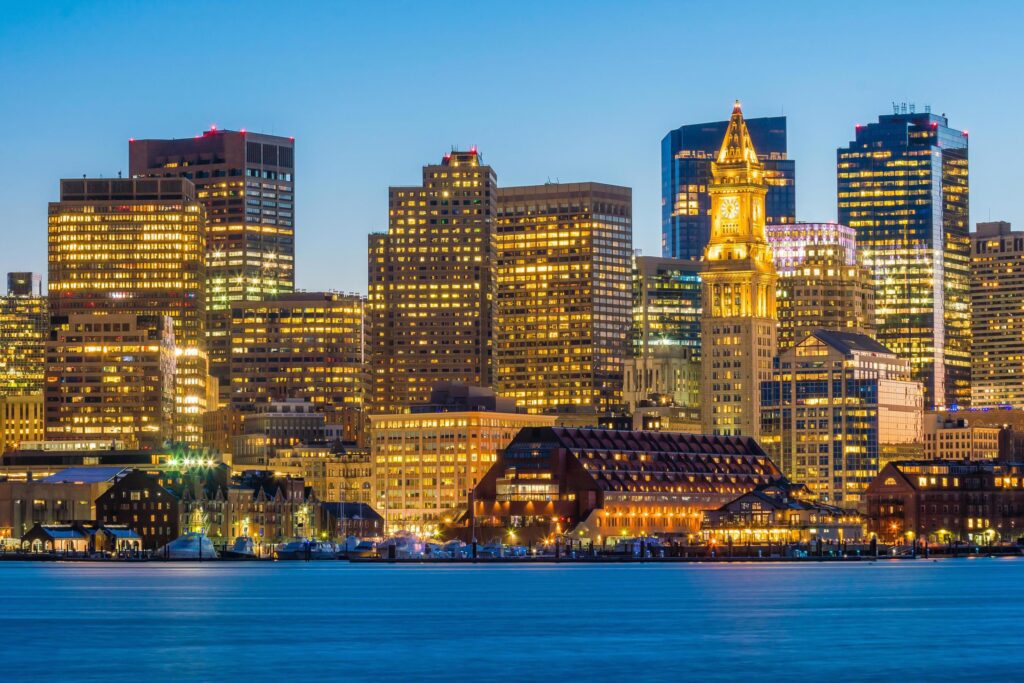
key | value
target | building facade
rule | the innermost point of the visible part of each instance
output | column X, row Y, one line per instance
column 686, row 156
column 246, row 184
column 425, row 464
column 24, row 324
column 997, row 318
column 278, row 424
column 301, row 345
column 739, row 324
column 959, row 439
column 111, row 377
column 22, row 418
column 903, row 186
column 822, row 282
column 562, row 299
column 135, row 247
column 428, row 305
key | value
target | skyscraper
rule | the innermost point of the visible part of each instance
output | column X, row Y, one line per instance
column 997, row 316
column 562, row 299
column 738, row 323
column 823, row 283
column 903, row 186
column 24, row 324
column 686, row 156
column 246, row 183
column 429, row 301
column 135, row 246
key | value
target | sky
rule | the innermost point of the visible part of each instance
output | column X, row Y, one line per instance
column 569, row 91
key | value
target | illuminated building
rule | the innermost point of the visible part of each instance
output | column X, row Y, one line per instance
column 960, row 439
column 941, row 501
column 562, row 295
column 738, row 322
column 838, row 406
column 997, row 316
column 902, row 185
column 686, row 156
column 41, row 459
column 302, row 345
column 271, row 509
column 135, row 247
column 425, row 464
column 822, row 283
column 21, row 420
column 110, row 376
column 598, row 484
column 246, row 183
column 66, row 497
column 664, row 366
column 24, row 322
column 430, row 284
column 338, row 472
column 273, row 425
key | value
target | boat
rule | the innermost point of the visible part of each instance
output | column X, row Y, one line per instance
column 363, row 549
column 193, row 545
column 242, row 549
column 306, row 549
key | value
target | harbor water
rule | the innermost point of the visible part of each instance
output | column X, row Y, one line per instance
column 919, row 620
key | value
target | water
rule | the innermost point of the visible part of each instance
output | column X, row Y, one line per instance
column 944, row 620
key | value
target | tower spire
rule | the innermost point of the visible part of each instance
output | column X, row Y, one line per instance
column 737, row 147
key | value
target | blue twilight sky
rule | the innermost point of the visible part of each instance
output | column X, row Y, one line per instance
column 569, row 90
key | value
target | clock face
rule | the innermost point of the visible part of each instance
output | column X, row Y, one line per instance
column 730, row 207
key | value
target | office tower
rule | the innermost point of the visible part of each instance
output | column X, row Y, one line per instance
column 110, row 376
column 738, row 320
column 246, row 183
column 24, row 284
column 429, row 302
column 838, row 406
column 946, row 438
column 21, row 419
column 823, row 284
column 135, row 246
column 664, row 366
column 562, row 297
column 686, row 156
column 997, row 316
column 273, row 425
column 902, row 185
column 303, row 345
column 24, row 323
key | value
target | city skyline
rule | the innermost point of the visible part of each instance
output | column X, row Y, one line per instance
column 365, row 115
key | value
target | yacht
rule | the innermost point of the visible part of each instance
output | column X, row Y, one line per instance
column 194, row 545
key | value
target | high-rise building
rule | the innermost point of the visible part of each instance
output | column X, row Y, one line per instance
column 111, row 376
column 738, row 321
column 429, row 302
column 822, row 282
column 304, row 345
column 838, row 406
column 902, row 185
column 246, row 183
column 21, row 419
column 24, row 324
column 135, row 246
column 997, row 316
column 686, row 156
column 664, row 366
column 562, row 298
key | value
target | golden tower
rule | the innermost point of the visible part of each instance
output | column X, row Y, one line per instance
column 739, row 324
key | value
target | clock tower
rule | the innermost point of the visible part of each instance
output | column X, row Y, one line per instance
column 739, row 324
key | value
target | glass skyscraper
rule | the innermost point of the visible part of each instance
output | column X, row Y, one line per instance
column 902, row 185
column 686, row 155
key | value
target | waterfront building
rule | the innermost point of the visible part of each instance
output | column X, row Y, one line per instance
column 62, row 498
column 960, row 439
column 278, row 424
column 272, row 509
column 943, row 501
column 903, row 186
column 22, row 418
column 562, row 299
column 425, row 464
column 36, row 461
column 600, row 484
column 135, row 247
column 686, row 156
column 24, row 324
column 779, row 512
column 822, row 282
column 738, row 321
column 353, row 519
column 246, row 183
column 429, row 302
column 111, row 376
column 838, row 405
column 997, row 318
column 306, row 345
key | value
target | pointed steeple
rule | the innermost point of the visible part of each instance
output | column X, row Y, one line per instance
column 737, row 147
